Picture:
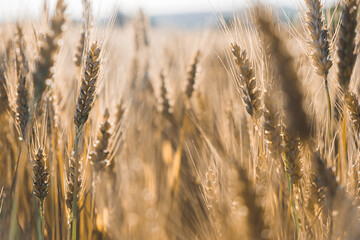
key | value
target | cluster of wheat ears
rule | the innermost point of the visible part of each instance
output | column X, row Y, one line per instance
column 248, row 131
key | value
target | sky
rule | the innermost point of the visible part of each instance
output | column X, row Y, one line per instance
column 12, row 9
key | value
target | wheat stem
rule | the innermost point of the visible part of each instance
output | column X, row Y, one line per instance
column 38, row 221
column 42, row 216
column 329, row 107
column 75, row 200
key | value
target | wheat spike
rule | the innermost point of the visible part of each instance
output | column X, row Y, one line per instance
column 320, row 52
column 271, row 127
column 99, row 156
column 142, row 28
column 191, row 75
column 40, row 175
column 48, row 51
column 75, row 169
column 20, row 52
column 4, row 99
column 22, row 107
column 354, row 110
column 346, row 42
column 291, row 156
column 164, row 106
column 246, row 82
column 141, row 38
column 88, row 86
column 80, row 49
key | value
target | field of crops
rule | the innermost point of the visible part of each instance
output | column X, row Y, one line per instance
column 247, row 131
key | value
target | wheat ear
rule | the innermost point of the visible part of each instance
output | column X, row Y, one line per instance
column 346, row 42
column 246, row 82
column 354, row 110
column 320, row 50
column 88, row 86
column 191, row 75
column 164, row 105
column 22, row 107
column 99, row 156
column 48, row 51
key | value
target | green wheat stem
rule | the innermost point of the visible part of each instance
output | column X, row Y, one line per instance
column 75, row 200
column 38, row 221
column 42, row 216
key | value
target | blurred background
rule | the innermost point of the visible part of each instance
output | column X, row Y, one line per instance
column 162, row 13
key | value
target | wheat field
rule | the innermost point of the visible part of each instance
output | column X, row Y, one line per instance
column 245, row 131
